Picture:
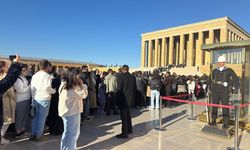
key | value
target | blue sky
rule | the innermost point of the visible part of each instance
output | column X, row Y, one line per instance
column 101, row 31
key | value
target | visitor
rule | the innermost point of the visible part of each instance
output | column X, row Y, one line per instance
column 155, row 87
column 9, row 104
column 41, row 95
column 71, row 93
column 22, row 96
column 126, row 96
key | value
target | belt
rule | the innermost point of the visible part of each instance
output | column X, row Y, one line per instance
column 219, row 82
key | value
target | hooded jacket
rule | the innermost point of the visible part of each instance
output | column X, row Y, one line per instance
column 111, row 83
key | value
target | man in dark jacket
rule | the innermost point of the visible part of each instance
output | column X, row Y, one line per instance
column 8, row 82
column 126, row 96
column 85, row 76
column 168, row 87
column 155, row 87
column 141, row 86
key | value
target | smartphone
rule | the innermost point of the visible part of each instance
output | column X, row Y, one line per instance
column 12, row 57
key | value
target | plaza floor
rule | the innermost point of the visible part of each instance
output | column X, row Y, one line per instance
column 179, row 134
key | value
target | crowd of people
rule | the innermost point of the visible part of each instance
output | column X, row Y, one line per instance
column 63, row 100
column 150, row 86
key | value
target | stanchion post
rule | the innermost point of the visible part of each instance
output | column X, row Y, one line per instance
column 236, row 134
column 160, row 116
column 236, row 126
column 191, row 108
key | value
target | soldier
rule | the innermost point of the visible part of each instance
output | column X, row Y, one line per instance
column 220, row 79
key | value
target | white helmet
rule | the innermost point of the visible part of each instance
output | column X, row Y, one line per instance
column 222, row 58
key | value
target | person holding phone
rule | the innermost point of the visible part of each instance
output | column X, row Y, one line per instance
column 9, row 103
column 7, row 82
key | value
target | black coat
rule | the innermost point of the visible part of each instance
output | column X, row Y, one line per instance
column 155, row 83
column 141, row 84
column 126, row 90
column 55, row 122
column 85, row 77
column 168, row 85
column 6, row 83
column 226, row 75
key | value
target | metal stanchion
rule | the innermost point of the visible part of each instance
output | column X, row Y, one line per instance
column 160, row 117
column 236, row 136
column 160, row 114
column 191, row 109
column 236, row 125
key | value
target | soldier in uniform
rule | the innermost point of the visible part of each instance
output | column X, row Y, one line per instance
column 220, row 79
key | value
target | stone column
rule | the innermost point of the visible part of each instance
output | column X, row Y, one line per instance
column 163, row 52
column 181, row 61
column 223, row 35
column 150, row 53
column 159, row 53
column 190, row 50
column 177, row 48
column 210, row 41
column 171, row 49
column 156, row 53
column 143, row 52
column 199, row 50
column 229, row 35
column 232, row 36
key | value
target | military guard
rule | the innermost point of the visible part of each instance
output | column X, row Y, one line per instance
column 222, row 79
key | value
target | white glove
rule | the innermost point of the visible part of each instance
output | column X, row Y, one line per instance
column 225, row 84
column 204, row 86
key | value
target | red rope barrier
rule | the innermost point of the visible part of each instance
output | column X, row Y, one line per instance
column 197, row 103
column 244, row 105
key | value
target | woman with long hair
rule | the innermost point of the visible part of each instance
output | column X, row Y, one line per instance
column 22, row 96
column 71, row 93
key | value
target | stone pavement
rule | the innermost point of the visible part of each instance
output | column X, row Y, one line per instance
column 180, row 133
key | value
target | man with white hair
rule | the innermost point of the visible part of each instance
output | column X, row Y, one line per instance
column 221, row 79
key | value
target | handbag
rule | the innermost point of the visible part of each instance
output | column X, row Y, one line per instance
column 32, row 112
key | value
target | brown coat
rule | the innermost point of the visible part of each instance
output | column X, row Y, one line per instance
column 92, row 94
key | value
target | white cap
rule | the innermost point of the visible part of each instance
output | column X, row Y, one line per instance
column 222, row 58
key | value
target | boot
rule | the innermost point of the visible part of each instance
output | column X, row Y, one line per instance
column 213, row 123
column 4, row 141
column 225, row 124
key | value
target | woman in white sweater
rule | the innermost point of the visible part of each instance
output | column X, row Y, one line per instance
column 71, row 94
column 191, row 87
column 22, row 95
